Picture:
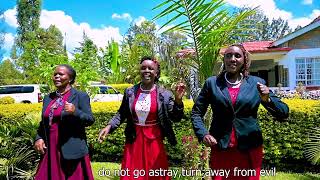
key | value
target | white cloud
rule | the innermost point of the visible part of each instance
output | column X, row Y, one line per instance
column 74, row 31
column 315, row 13
column 8, row 41
column 7, row 45
column 10, row 17
column 304, row 20
column 269, row 8
column 124, row 16
column 139, row 20
column 307, row 2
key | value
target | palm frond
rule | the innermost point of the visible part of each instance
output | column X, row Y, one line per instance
column 208, row 23
column 22, row 174
column 312, row 146
column 20, row 159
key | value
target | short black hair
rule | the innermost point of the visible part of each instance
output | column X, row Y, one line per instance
column 156, row 62
column 72, row 73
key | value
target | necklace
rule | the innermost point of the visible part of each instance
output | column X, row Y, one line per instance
column 145, row 90
column 233, row 83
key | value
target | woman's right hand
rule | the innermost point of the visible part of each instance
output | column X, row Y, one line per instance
column 40, row 146
column 103, row 133
column 209, row 140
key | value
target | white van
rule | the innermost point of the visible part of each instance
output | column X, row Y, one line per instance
column 106, row 93
column 24, row 93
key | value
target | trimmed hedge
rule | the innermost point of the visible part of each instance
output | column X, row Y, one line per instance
column 121, row 87
column 283, row 141
column 6, row 100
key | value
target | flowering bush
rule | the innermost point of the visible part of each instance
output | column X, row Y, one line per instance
column 192, row 151
column 299, row 95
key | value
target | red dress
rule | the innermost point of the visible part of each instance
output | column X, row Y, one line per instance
column 241, row 164
column 52, row 165
column 147, row 153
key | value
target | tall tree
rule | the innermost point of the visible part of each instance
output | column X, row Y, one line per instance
column 86, row 63
column 27, row 43
column 170, row 44
column 28, row 18
column 140, row 40
column 51, row 39
column 259, row 27
column 143, row 36
column 278, row 28
column 88, row 51
column 49, row 53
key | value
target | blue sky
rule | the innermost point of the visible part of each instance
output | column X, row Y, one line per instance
column 97, row 12
column 110, row 19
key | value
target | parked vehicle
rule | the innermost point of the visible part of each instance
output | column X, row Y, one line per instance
column 24, row 93
column 106, row 93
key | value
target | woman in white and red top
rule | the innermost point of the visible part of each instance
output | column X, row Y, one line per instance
column 149, row 111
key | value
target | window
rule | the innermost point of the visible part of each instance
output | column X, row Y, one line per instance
column 283, row 75
column 103, row 90
column 16, row 89
column 308, row 71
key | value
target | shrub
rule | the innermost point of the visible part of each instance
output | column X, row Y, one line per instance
column 17, row 155
column 121, row 87
column 6, row 100
column 283, row 141
column 16, row 112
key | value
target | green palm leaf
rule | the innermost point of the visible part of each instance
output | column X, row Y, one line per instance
column 208, row 23
column 312, row 147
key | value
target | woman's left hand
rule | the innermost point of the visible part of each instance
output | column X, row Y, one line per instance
column 69, row 107
column 263, row 91
column 179, row 92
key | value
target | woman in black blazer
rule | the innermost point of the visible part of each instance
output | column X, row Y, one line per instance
column 149, row 111
column 234, row 96
column 61, row 137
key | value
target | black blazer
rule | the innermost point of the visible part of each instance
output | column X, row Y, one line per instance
column 243, row 116
column 168, row 111
column 72, row 135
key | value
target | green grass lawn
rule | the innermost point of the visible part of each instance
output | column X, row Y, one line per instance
column 110, row 168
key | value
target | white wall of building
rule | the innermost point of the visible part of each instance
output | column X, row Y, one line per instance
column 288, row 61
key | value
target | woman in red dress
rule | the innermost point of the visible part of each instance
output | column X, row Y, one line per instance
column 235, row 137
column 149, row 111
column 61, row 137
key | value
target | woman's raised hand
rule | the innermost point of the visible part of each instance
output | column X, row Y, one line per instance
column 263, row 92
column 180, row 90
